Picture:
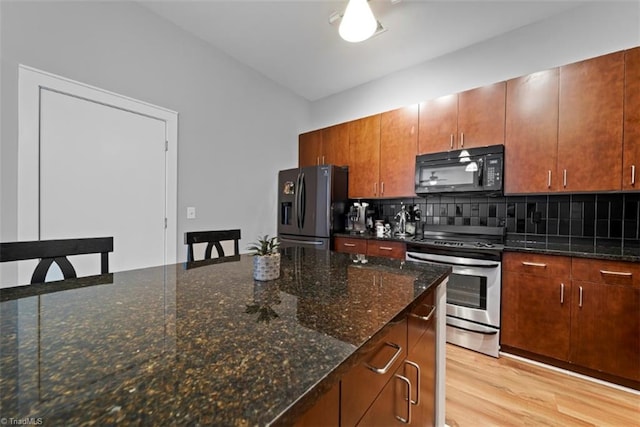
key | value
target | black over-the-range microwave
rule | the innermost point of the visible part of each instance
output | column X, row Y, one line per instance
column 472, row 170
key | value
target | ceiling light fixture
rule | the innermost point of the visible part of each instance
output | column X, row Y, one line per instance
column 358, row 22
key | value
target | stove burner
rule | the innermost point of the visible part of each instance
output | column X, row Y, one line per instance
column 484, row 245
column 447, row 243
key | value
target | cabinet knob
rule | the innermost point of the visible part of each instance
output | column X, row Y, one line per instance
column 564, row 178
column 461, row 139
column 633, row 174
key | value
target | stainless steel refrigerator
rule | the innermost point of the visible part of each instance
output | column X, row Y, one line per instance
column 312, row 203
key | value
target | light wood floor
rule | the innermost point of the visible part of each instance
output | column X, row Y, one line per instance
column 484, row 391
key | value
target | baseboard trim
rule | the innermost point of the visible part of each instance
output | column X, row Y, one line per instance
column 571, row 373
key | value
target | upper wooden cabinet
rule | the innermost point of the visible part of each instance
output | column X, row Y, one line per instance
column 328, row 146
column 531, row 133
column 631, row 153
column 590, row 124
column 382, row 154
column 398, row 149
column 481, row 113
column 335, row 145
column 364, row 157
column 309, row 148
column 473, row 118
column 438, row 124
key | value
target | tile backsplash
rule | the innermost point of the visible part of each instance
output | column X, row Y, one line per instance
column 592, row 223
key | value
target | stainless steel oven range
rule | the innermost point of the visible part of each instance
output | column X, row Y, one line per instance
column 473, row 291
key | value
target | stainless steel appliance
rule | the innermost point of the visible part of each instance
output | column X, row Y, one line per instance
column 311, row 205
column 473, row 291
column 357, row 217
column 473, row 170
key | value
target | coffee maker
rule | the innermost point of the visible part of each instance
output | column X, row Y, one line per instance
column 357, row 217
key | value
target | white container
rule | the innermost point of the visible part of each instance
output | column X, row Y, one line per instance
column 266, row 267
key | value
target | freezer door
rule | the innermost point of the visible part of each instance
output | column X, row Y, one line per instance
column 289, row 201
column 315, row 201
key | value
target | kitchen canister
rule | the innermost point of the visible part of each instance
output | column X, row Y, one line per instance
column 266, row 267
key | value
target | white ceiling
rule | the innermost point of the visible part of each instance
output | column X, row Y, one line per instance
column 292, row 42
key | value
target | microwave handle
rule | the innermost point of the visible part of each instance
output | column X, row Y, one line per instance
column 480, row 173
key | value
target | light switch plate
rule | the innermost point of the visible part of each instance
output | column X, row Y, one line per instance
column 191, row 212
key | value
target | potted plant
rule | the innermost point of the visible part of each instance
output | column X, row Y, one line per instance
column 266, row 258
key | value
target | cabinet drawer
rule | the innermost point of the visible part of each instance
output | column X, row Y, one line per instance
column 386, row 249
column 421, row 318
column 604, row 271
column 536, row 264
column 362, row 384
column 352, row 246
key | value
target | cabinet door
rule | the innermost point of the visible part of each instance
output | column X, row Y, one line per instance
column 438, row 124
column 325, row 412
column 309, row 148
column 590, row 124
column 361, row 384
column 536, row 314
column 364, row 157
column 481, row 116
column 335, row 145
column 605, row 321
column 631, row 155
column 398, row 148
column 391, row 407
column 422, row 352
column 386, row 249
column 531, row 140
column 349, row 245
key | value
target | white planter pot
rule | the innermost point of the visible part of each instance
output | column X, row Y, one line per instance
column 266, row 267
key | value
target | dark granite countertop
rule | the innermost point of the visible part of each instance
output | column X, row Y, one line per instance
column 196, row 346
column 373, row 236
column 573, row 253
column 604, row 253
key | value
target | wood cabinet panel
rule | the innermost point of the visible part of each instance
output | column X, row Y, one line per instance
column 390, row 404
column 387, row 249
column 309, row 148
column 590, row 124
column 361, row 385
column 364, row 157
column 422, row 351
column 606, row 271
column 335, row 145
column 606, row 328
column 438, row 124
column 481, row 116
column 537, row 264
column 536, row 304
column 351, row 246
column 531, row 133
column 398, row 148
column 631, row 153
column 326, row 411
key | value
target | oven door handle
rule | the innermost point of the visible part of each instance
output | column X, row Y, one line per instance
column 466, row 326
column 459, row 264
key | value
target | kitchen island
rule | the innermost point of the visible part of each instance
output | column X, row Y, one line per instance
column 200, row 343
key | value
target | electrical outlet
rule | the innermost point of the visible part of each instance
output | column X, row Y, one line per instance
column 191, row 213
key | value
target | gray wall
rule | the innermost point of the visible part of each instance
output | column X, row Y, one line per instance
column 236, row 127
column 591, row 29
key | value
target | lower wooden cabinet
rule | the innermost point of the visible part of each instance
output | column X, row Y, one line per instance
column 325, row 412
column 372, row 247
column 605, row 334
column 362, row 384
column 408, row 394
column 536, row 303
column 581, row 312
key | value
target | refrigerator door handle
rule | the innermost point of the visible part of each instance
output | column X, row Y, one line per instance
column 303, row 201
column 296, row 208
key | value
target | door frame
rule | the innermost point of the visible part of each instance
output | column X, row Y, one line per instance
column 31, row 82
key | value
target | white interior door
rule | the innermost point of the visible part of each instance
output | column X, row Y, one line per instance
column 94, row 163
column 102, row 173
